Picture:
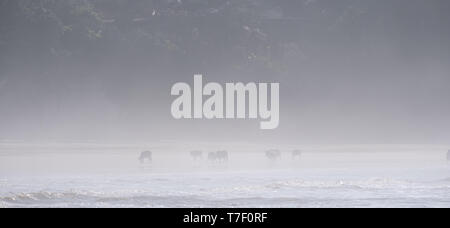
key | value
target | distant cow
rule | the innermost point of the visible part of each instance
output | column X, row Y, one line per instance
column 222, row 155
column 296, row 154
column 196, row 154
column 218, row 156
column 145, row 155
column 273, row 155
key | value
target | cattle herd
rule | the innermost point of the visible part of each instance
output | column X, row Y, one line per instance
column 223, row 156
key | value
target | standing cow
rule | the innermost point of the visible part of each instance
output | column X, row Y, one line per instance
column 218, row 156
column 273, row 155
column 296, row 154
column 145, row 155
column 222, row 155
column 196, row 154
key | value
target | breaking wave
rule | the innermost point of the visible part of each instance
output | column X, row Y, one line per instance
column 278, row 193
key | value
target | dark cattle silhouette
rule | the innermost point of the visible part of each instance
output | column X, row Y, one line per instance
column 145, row 155
column 218, row 156
column 222, row 155
column 296, row 154
column 273, row 155
column 196, row 154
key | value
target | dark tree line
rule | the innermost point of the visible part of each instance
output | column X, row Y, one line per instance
column 246, row 31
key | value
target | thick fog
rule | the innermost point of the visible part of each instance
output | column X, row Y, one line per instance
column 85, row 103
column 349, row 71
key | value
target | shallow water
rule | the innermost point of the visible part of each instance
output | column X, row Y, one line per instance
column 100, row 176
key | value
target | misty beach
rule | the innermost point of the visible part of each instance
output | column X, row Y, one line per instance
column 98, row 175
column 225, row 103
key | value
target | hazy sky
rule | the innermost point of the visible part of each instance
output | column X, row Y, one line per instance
column 349, row 71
